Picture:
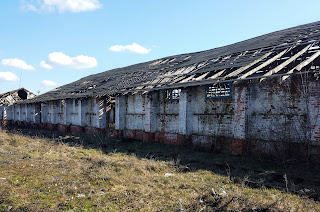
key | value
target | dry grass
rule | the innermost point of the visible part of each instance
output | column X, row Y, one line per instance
column 47, row 175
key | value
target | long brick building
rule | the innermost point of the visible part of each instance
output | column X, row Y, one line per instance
column 260, row 95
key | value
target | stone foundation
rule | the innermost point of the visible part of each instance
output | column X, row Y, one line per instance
column 52, row 126
column 77, row 129
column 63, row 128
column 94, row 130
column 6, row 122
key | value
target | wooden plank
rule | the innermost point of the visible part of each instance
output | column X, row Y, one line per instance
column 240, row 70
column 287, row 62
column 201, row 76
column 187, row 79
column 217, row 74
column 177, row 80
column 264, row 64
column 302, row 64
column 139, row 87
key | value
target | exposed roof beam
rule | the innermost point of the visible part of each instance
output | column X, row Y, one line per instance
column 177, row 80
column 202, row 76
column 139, row 87
column 287, row 62
column 264, row 64
column 127, row 78
column 165, row 79
column 217, row 74
column 303, row 64
column 206, row 82
column 240, row 70
column 187, row 79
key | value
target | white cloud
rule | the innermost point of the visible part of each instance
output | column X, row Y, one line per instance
column 16, row 63
column 8, row 76
column 62, row 60
column 45, row 65
column 61, row 6
column 48, row 83
column 29, row 7
column 136, row 48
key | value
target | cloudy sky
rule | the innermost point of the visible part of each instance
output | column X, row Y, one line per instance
column 48, row 43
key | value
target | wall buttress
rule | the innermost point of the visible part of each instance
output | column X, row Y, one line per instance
column 120, row 110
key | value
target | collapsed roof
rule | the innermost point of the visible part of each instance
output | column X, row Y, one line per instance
column 11, row 97
column 281, row 53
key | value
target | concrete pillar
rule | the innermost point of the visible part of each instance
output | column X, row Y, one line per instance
column 23, row 112
column 313, row 109
column 61, row 115
column 120, row 112
column 185, row 112
column 98, row 111
column 52, row 118
column 239, row 119
column 7, row 112
column 13, row 113
column 44, row 113
column 30, row 113
column 53, row 115
column 83, row 105
column 69, row 111
column 50, row 113
column 101, row 106
column 93, row 113
column 1, row 112
column 76, row 112
column 17, row 112
column 152, row 110
column 112, row 112
column 37, row 113
column 75, row 115
column 240, row 108
column 108, row 111
column 20, row 112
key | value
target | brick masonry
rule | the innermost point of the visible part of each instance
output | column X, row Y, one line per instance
column 267, row 117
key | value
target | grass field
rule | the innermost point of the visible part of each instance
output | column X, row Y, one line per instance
column 50, row 171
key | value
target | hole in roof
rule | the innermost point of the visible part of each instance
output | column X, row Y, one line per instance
column 22, row 94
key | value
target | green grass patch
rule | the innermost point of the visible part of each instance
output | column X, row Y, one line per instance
column 81, row 173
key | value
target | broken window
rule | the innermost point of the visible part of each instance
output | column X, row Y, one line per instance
column 218, row 90
column 173, row 94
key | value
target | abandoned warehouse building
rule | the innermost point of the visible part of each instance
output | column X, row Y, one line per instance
column 258, row 96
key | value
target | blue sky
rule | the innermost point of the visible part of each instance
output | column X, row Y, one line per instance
column 49, row 43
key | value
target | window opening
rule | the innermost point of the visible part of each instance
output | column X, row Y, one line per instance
column 173, row 94
column 218, row 90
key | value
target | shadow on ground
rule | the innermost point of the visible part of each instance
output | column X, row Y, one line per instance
column 296, row 177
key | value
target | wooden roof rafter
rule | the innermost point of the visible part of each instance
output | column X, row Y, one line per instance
column 260, row 57
column 285, row 63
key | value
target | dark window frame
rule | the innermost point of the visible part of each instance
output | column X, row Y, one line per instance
column 224, row 87
column 173, row 94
